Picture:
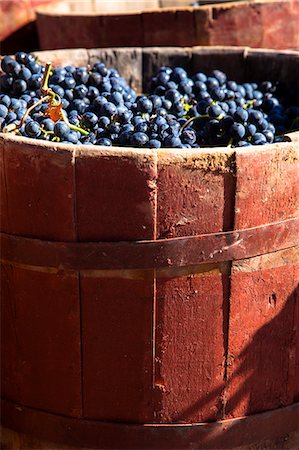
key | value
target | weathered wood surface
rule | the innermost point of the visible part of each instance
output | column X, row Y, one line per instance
column 160, row 345
column 249, row 23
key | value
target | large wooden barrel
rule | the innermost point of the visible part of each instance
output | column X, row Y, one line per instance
column 149, row 296
column 263, row 23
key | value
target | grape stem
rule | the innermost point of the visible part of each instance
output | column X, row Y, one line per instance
column 191, row 120
column 44, row 87
column 73, row 127
column 14, row 126
column 230, row 143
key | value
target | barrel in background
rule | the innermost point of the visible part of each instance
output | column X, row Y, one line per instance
column 248, row 23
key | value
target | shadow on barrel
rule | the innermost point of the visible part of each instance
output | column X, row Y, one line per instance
column 264, row 376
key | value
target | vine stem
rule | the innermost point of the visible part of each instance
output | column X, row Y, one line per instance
column 14, row 126
column 73, row 127
column 191, row 120
column 44, row 86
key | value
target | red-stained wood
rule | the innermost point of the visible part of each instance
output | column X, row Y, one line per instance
column 296, row 330
column 245, row 23
column 44, row 210
column 117, row 348
column 156, row 33
column 195, row 195
column 126, row 29
column 265, row 21
column 15, row 14
column 268, row 184
column 261, row 355
column 10, row 374
column 263, row 296
column 117, row 313
column 4, row 219
column 188, row 357
column 41, row 339
column 125, row 196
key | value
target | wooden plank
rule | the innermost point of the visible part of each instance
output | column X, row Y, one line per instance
column 210, row 24
column 261, row 356
column 81, row 25
column 262, row 335
column 267, row 184
column 117, row 348
column 202, row 19
column 175, row 33
column 195, row 192
column 188, row 356
column 272, row 65
column 273, row 24
column 228, row 59
column 125, row 29
column 41, row 340
column 111, row 185
column 296, row 323
column 4, row 219
column 116, row 200
column 10, row 374
column 195, row 195
column 227, row 26
column 40, row 182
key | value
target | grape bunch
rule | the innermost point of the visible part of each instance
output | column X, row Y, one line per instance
column 95, row 105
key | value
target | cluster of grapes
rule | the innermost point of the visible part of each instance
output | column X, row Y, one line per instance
column 97, row 106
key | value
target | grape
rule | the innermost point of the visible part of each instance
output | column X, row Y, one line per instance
column 258, row 139
column 3, row 111
column 240, row 115
column 154, row 143
column 61, row 129
column 237, row 131
column 139, row 139
column 104, row 141
column 32, row 129
column 180, row 111
column 214, row 111
column 89, row 120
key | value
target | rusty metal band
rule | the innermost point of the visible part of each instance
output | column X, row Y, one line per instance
column 149, row 254
column 83, row 433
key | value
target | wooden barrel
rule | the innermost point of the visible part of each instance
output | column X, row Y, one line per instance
column 149, row 296
column 269, row 24
column 15, row 14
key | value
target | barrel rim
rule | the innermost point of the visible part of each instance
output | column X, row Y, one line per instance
column 98, row 150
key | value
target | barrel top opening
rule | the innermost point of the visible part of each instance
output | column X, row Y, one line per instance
column 137, row 63
column 165, row 154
